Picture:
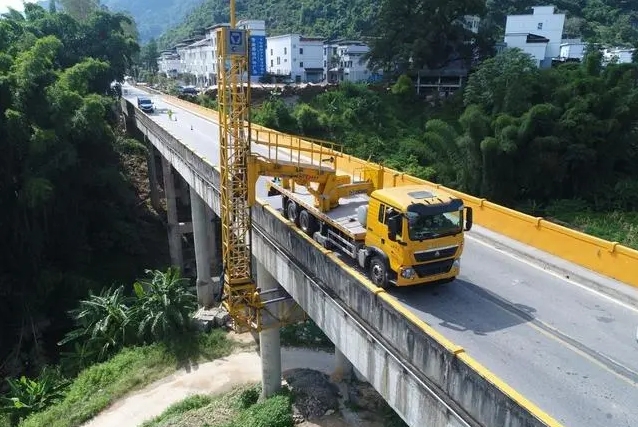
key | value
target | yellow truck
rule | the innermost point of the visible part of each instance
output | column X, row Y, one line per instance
column 400, row 236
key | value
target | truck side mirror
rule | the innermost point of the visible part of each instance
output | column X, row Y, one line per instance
column 469, row 218
column 394, row 226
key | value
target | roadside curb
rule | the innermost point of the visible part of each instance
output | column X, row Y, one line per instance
column 563, row 268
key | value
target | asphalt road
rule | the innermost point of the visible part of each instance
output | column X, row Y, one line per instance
column 568, row 349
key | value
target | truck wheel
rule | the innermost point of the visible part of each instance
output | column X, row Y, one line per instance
column 293, row 212
column 307, row 222
column 378, row 272
column 284, row 204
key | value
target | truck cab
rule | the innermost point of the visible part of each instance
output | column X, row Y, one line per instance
column 145, row 104
column 414, row 235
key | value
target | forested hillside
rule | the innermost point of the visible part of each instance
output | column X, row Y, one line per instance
column 595, row 20
column 71, row 221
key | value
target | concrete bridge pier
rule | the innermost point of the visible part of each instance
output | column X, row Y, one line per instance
column 343, row 370
column 201, row 236
column 269, row 339
column 174, row 229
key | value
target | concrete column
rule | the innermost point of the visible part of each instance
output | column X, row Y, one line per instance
column 174, row 234
column 269, row 342
column 215, row 229
column 199, row 212
column 343, row 367
column 152, row 176
column 182, row 192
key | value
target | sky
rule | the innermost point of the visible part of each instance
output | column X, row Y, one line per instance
column 16, row 4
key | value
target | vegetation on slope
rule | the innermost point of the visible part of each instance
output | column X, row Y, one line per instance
column 71, row 220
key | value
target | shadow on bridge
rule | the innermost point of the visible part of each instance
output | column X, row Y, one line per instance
column 463, row 307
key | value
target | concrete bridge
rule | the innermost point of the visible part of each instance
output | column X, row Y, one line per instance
column 522, row 338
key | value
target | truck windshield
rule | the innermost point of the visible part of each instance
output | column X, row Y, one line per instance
column 422, row 227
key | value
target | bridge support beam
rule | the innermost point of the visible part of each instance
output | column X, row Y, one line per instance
column 269, row 340
column 343, row 367
column 201, row 236
column 174, row 233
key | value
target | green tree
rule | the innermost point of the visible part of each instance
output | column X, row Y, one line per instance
column 422, row 34
column 164, row 305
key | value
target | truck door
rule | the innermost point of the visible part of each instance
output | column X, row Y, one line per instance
column 393, row 249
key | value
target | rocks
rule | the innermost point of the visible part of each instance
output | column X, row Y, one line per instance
column 314, row 394
column 215, row 317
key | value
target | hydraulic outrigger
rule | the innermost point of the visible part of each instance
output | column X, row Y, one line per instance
column 240, row 169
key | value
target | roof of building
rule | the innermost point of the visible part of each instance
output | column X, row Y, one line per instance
column 212, row 27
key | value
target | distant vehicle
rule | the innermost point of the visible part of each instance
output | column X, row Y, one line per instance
column 145, row 104
column 188, row 90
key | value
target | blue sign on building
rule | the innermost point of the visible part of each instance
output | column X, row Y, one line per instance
column 257, row 55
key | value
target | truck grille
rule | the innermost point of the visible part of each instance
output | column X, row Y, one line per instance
column 434, row 268
column 433, row 254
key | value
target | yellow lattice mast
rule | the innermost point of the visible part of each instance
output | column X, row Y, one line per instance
column 234, row 142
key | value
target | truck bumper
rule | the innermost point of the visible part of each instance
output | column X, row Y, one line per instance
column 421, row 277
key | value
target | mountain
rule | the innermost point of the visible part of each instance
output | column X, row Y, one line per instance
column 324, row 18
column 154, row 17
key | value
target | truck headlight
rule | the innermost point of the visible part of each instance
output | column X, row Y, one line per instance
column 457, row 263
column 408, row 273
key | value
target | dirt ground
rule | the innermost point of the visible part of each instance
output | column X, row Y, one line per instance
column 318, row 403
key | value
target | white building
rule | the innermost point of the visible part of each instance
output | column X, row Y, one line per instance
column 169, row 63
column 572, row 49
column 539, row 34
column 617, row 55
column 295, row 56
column 211, row 36
column 472, row 22
column 343, row 60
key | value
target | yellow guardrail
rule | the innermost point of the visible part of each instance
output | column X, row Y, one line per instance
column 608, row 258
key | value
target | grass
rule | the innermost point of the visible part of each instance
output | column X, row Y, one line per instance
column 97, row 387
column 619, row 227
column 615, row 226
column 238, row 408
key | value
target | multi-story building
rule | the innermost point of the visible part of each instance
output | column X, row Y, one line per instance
column 539, row 34
column 169, row 63
column 343, row 60
column 295, row 56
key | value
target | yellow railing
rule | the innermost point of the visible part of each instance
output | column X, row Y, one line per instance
column 299, row 151
column 608, row 258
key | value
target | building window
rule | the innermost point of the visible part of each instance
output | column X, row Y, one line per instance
column 272, row 63
column 271, row 51
column 278, row 60
column 539, row 26
column 301, row 65
column 285, row 50
column 301, row 51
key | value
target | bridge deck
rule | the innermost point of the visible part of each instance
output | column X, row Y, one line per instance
column 568, row 349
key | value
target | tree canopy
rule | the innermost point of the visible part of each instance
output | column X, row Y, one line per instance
column 69, row 216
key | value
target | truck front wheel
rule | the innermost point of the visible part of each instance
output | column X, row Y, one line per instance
column 379, row 272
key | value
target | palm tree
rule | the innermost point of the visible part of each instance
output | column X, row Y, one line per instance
column 164, row 305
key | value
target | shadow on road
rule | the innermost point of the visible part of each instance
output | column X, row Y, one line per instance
column 464, row 307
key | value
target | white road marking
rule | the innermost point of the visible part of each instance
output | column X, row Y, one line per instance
column 571, row 282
